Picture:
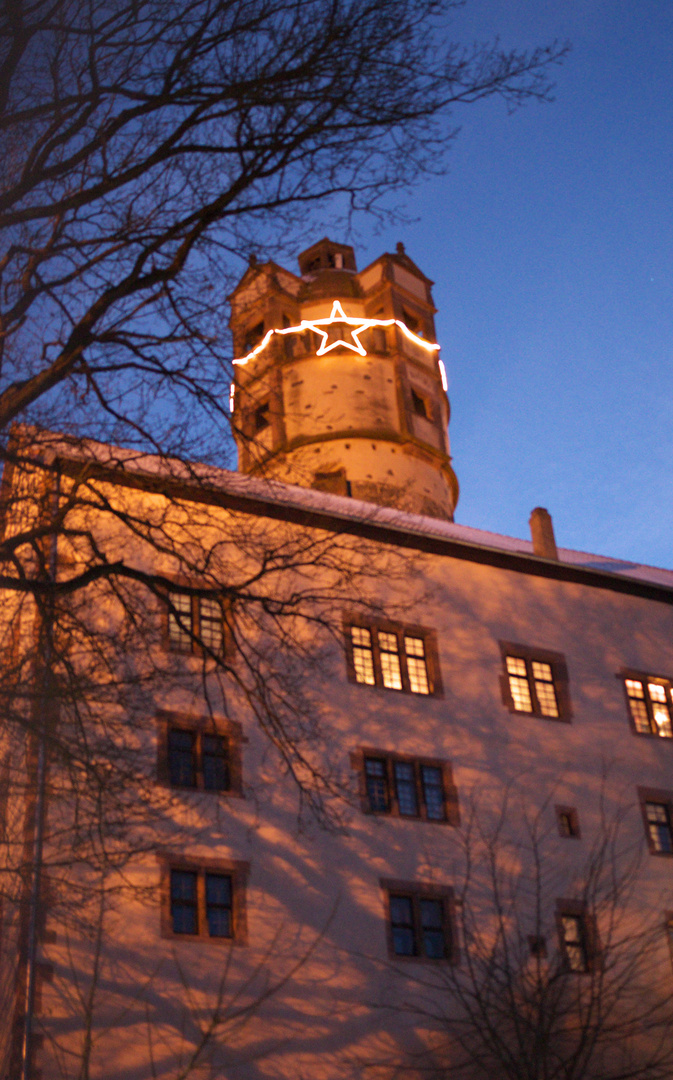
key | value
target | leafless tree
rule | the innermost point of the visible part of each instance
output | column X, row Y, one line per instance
column 561, row 970
column 148, row 146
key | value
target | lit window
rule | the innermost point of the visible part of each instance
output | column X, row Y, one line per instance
column 393, row 658
column 391, row 673
column 650, row 704
column 419, row 923
column 211, row 626
column 416, row 665
column 658, row 818
column 363, row 655
column 574, row 941
column 408, row 787
column 535, row 683
column 195, row 623
column 180, row 622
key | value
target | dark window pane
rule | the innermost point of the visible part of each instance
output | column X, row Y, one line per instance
column 181, row 758
column 218, row 905
column 377, row 785
column 215, row 762
column 433, row 792
column 402, row 925
column 183, row 902
column 432, row 928
column 405, row 784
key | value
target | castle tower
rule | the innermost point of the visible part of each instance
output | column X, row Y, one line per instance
column 338, row 382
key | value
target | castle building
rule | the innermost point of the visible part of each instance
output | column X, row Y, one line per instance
column 306, row 780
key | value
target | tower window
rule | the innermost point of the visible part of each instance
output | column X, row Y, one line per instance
column 420, row 405
column 253, row 337
column 261, row 417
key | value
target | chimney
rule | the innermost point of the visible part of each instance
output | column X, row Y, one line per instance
column 542, row 533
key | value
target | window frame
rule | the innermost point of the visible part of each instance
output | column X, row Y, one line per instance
column 417, row 891
column 449, row 790
column 196, row 646
column 571, row 813
column 200, row 726
column 577, row 909
column 429, row 638
column 237, row 870
column 660, row 797
column 645, row 677
column 560, row 679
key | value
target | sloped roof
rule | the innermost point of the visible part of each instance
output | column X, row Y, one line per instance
column 264, row 497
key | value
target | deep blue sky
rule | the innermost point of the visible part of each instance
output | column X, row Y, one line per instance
column 551, row 246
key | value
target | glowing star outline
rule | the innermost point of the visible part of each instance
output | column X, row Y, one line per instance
column 338, row 315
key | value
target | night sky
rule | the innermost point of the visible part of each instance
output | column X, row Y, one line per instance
column 550, row 242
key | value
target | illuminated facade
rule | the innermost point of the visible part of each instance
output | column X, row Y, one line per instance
column 339, row 384
column 447, row 673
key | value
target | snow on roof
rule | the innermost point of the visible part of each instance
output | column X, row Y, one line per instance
column 277, row 494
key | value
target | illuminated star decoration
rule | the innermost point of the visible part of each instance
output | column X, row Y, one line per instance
column 338, row 316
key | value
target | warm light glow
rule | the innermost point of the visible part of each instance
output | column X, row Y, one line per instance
column 338, row 316
column 232, row 391
column 442, row 372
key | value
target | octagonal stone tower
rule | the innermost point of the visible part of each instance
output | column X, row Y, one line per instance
column 338, row 381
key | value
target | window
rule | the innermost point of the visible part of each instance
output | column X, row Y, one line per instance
column 650, row 701
column 261, row 417
column 567, row 821
column 204, row 900
column 201, row 753
column 658, row 816
column 419, row 405
column 194, row 623
column 393, row 657
column 253, row 336
column 656, row 807
column 420, row 921
column 578, row 936
column 574, row 941
column 196, row 759
column 407, row 787
column 535, row 682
